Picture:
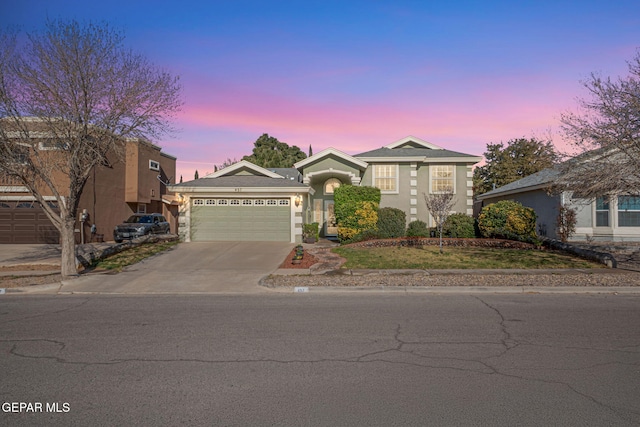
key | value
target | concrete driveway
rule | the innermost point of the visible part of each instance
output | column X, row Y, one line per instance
column 203, row 267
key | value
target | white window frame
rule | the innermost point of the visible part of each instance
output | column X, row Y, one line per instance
column 432, row 169
column 198, row 202
column 328, row 182
column 606, row 200
column 375, row 177
column 622, row 211
column 154, row 165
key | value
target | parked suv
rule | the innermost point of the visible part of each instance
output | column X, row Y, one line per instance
column 140, row 224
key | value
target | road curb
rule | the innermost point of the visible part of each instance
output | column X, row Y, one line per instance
column 460, row 290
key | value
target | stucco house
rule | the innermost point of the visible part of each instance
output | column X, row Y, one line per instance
column 605, row 218
column 135, row 183
column 248, row 202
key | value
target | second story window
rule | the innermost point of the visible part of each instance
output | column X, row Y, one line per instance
column 153, row 165
column 385, row 177
column 442, row 178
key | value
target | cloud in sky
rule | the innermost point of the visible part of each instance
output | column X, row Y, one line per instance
column 358, row 75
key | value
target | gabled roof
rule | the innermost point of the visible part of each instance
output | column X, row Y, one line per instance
column 538, row 180
column 260, row 180
column 331, row 151
column 416, row 141
column 243, row 164
column 417, row 154
column 238, row 181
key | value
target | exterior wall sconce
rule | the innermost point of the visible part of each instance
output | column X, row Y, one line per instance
column 297, row 200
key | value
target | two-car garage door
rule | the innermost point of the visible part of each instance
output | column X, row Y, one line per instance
column 240, row 219
column 26, row 222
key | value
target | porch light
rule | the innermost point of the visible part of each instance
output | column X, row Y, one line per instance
column 297, row 200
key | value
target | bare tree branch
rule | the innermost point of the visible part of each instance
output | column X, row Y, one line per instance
column 606, row 131
column 439, row 206
column 70, row 96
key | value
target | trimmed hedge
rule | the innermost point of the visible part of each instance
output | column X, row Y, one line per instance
column 508, row 220
column 391, row 223
column 459, row 225
column 356, row 210
column 417, row 229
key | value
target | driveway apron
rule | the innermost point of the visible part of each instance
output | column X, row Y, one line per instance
column 202, row 267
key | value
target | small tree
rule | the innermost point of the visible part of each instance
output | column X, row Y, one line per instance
column 439, row 205
column 566, row 223
column 79, row 90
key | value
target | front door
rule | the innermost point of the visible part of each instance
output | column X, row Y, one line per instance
column 331, row 227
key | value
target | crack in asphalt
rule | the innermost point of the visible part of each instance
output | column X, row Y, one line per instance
column 484, row 365
column 35, row 316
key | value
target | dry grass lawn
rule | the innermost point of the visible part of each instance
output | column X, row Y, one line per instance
column 429, row 257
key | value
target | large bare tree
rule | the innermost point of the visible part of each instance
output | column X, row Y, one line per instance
column 605, row 130
column 439, row 205
column 70, row 95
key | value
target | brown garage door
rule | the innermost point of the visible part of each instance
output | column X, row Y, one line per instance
column 25, row 222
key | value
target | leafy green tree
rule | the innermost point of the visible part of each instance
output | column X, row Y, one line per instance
column 268, row 152
column 519, row 158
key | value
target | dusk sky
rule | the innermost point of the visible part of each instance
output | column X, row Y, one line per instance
column 357, row 75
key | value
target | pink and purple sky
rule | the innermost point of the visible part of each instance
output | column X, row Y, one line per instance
column 357, row 75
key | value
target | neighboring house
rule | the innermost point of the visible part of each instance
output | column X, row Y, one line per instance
column 111, row 195
column 247, row 202
column 605, row 218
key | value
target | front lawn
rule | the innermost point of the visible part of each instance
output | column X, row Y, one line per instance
column 132, row 255
column 429, row 257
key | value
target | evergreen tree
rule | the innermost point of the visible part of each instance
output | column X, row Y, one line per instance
column 519, row 158
column 268, row 152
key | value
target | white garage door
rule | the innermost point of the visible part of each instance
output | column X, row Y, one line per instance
column 247, row 219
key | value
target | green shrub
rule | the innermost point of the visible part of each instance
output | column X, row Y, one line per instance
column 311, row 231
column 417, row 229
column 391, row 223
column 356, row 210
column 459, row 225
column 508, row 220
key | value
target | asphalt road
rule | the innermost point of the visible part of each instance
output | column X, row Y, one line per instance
column 305, row 359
